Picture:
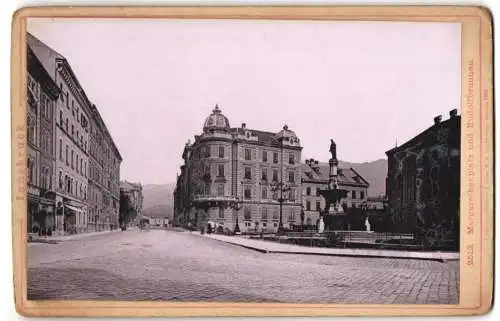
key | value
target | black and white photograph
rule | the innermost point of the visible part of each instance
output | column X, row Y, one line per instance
column 254, row 161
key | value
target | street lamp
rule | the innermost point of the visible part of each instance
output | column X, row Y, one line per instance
column 282, row 188
column 236, row 208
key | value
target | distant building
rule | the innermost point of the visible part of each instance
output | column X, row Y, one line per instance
column 315, row 177
column 231, row 177
column 134, row 192
column 423, row 180
column 158, row 221
column 104, row 175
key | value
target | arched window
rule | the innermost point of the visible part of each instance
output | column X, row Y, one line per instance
column 42, row 178
column 31, row 130
column 60, row 180
column 30, row 167
column 68, row 182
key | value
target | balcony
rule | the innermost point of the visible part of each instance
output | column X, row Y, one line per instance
column 204, row 198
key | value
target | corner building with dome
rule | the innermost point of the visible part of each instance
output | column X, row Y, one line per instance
column 232, row 177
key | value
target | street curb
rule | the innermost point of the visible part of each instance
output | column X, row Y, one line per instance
column 73, row 237
column 399, row 257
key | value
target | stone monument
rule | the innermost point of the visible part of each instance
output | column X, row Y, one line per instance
column 332, row 194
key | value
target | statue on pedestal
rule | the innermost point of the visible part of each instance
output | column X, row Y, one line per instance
column 367, row 224
column 333, row 149
column 321, row 225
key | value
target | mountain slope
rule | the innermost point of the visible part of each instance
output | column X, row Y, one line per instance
column 373, row 172
column 159, row 198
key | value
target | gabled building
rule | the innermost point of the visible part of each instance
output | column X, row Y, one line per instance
column 315, row 178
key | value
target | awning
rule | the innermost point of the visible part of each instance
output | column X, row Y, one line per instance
column 76, row 209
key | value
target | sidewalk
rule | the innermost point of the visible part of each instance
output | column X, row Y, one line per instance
column 72, row 236
column 272, row 247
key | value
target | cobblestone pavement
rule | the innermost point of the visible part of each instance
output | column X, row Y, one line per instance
column 169, row 265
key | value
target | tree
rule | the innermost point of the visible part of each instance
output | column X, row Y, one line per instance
column 127, row 211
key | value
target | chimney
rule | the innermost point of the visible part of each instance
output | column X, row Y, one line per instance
column 243, row 125
column 437, row 120
column 453, row 113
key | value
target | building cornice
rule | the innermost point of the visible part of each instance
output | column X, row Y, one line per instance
column 69, row 77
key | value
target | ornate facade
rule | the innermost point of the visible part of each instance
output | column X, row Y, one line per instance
column 61, row 142
column 42, row 92
column 423, row 181
column 72, row 132
column 235, row 177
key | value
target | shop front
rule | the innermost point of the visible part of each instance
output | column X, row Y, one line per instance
column 41, row 211
column 71, row 211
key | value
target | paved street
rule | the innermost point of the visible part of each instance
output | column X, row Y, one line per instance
column 170, row 265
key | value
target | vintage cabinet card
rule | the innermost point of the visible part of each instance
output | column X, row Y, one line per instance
column 252, row 161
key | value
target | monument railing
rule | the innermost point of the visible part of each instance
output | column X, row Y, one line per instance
column 348, row 236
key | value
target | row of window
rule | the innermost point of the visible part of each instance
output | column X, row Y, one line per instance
column 75, row 110
column 76, row 162
column 206, row 152
column 269, row 193
column 64, row 124
column 264, row 177
column 354, row 195
column 248, row 156
column 266, row 193
column 46, row 104
column 45, row 181
column 72, row 186
column 264, row 173
column 247, row 214
column 45, row 140
column 308, row 205
column 265, row 215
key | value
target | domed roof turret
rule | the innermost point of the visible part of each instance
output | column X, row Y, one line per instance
column 288, row 136
column 216, row 121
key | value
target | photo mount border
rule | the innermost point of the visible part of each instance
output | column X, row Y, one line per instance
column 476, row 274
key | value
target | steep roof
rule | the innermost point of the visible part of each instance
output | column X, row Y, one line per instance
column 44, row 53
column 346, row 176
column 418, row 138
column 263, row 137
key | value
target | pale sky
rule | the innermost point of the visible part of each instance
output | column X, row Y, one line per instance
column 364, row 84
